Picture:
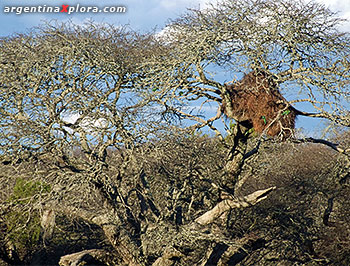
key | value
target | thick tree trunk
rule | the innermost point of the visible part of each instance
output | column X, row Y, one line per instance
column 118, row 237
column 235, row 159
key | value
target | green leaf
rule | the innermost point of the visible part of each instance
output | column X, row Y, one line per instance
column 286, row 112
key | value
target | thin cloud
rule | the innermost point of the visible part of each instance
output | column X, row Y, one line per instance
column 170, row 4
column 343, row 9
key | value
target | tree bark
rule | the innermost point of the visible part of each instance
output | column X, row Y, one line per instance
column 127, row 250
column 92, row 256
column 228, row 204
column 236, row 157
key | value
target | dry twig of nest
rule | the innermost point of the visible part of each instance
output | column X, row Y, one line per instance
column 257, row 103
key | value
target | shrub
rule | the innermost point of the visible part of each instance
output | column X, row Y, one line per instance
column 23, row 224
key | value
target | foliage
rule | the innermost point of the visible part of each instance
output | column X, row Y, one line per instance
column 24, row 190
column 24, row 231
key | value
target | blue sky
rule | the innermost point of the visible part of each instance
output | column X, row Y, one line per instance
column 140, row 15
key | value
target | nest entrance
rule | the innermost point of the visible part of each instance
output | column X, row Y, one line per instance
column 257, row 103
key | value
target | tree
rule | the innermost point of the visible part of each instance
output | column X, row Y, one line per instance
column 66, row 90
column 295, row 44
column 298, row 44
column 91, row 130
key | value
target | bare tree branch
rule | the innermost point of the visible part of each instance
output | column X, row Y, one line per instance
column 228, row 204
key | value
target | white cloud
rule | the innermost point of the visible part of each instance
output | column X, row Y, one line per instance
column 168, row 4
column 70, row 117
column 331, row 3
column 166, row 35
column 343, row 9
column 171, row 4
column 88, row 124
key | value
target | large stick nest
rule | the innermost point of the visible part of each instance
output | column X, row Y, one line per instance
column 257, row 103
